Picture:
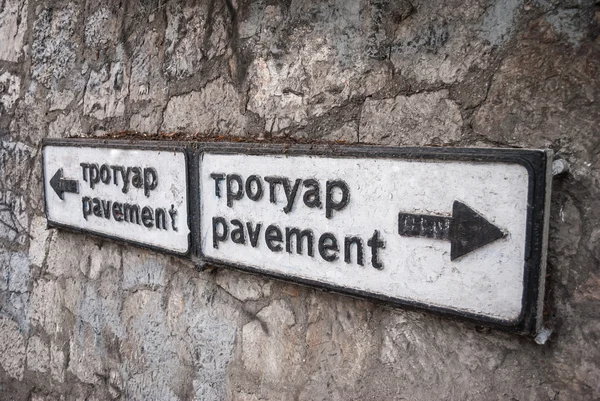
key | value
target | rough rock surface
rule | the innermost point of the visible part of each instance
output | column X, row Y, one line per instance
column 86, row 319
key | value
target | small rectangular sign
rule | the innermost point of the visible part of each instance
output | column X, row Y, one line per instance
column 132, row 192
column 457, row 231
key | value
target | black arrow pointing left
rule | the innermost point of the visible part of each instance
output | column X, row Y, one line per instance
column 62, row 185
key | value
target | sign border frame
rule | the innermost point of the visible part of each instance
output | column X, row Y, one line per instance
column 538, row 164
column 124, row 145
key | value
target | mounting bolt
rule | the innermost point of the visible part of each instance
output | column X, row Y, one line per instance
column 559, row 166
column 542, row 336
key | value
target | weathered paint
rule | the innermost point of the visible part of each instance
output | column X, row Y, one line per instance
column 487, row 282
column 101, row 207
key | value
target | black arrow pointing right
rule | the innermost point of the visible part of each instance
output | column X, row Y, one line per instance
column 466, row 230
column 62, row 185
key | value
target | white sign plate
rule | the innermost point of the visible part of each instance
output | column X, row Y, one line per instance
column 136, row 193
column 454, row 231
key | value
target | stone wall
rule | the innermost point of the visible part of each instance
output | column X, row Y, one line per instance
column 86, row 319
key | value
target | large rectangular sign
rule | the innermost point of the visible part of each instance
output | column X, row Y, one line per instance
column 458, row 231
column 132, row 192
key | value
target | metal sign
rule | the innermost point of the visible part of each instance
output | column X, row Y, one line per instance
column 457, row 231
column 132, row 192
